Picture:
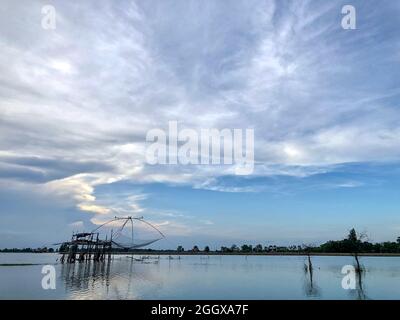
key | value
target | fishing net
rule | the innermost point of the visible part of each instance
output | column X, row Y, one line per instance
column 129, row 232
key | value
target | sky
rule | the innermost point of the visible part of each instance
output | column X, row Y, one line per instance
column 77, row 101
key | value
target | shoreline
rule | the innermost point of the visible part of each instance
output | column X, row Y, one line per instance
column 255, row 254
column 213, row 253
column 174, row 253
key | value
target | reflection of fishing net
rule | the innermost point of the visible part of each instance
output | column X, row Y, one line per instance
column 129, row 233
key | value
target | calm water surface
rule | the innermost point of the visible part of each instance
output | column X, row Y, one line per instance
column 197, row 277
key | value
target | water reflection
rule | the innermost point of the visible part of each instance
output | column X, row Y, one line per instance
column 83, row 276
column 112, row 279
column 359, row 292
column 360, row 288
column 310, row 287
column 202, row 277
column 86, row 276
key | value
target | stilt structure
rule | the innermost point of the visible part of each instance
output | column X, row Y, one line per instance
column 86, row 246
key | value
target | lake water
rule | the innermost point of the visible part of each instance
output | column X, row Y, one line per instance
column 197, row 277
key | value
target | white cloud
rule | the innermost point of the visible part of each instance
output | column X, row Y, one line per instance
column 93, row 208
column 89, row 91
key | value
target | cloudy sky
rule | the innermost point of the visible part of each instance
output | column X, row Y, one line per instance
column 77, row 102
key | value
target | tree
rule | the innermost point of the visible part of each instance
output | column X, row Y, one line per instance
column 207, row 249
column 180, row 249
column 352, row 236
column 258, row 248
column 355, row 243
column 246, row 248
column 195, row 249
column 63, row 248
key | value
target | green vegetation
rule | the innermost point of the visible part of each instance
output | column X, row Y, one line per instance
column 36, row 250
column 353, row 244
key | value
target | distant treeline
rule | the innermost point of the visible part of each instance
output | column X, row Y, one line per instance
column 33, row 250
column 353, row 243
